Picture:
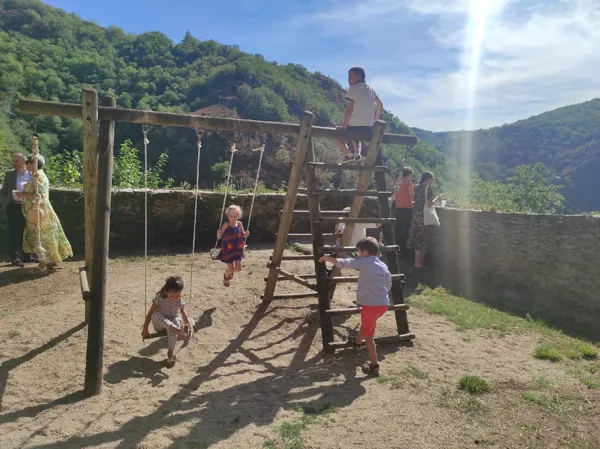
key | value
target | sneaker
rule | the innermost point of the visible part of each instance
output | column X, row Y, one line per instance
column 373, row 370
column 348, row 159
column 357, row 158
column 17, row 263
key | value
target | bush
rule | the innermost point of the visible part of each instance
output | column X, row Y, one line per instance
column 473, row 384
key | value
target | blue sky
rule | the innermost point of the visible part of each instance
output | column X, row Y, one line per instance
column 436, row 64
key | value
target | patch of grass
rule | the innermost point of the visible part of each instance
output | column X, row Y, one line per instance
column 416, row 372
column 528, row 426
column 13, row 334
column 593, row 383
column 254, row 290
column 290, row 433
column 471, row 315
column 392, row 380
column 474, row 384
column 546, row 353
column 555, row 404
column 2, row 313
column 462, row 402
column 543, row 382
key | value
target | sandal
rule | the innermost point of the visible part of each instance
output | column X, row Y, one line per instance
column 352, row 342
column 371, row 369
column 226, row 280
column 171, row 361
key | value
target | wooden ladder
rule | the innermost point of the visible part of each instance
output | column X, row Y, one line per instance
column 325, row 284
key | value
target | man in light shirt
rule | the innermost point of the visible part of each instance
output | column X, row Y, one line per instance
column 364, row 109
column 14, row 180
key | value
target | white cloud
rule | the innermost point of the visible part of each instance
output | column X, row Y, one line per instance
column 436, row 63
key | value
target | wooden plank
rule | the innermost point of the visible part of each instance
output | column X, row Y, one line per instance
column 303, row 276
column 308, row 236
column 349, row 279
column 85, row 286
column 363, row 182
column 89, row 124
column 355, row 193
column 38, row 107
column 356, row 310
column 306, row 213
column 297, row 279
column 334, row 248
column 293, row 257
column 357, row 220
column 290, row 201
column 291, row 296
column 378, row 340
column 95, row 342
column 324, row 166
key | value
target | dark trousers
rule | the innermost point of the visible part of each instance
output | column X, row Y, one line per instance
column 16, row 226
column 403, row 220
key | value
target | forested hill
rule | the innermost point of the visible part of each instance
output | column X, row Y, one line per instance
column 49, row 54
column 566, row 140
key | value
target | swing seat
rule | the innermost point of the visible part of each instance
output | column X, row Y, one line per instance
column 215, row 253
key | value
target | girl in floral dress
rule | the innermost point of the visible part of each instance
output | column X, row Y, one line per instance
column 52, row 246
column 232, row 247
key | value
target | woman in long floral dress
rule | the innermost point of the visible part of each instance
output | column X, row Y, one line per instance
column 52, row 246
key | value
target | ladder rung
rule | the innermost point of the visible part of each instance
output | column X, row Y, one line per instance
column 303, row 276
column 358, row 220
column 383, row 249
column 309, row 236
column 293, row 296
column 355, row 310
column 324, row 166
column 296, row 257
column 293, row 277
column 332, row 192
column 347, row 279
column 389, row 339
column 337, row 213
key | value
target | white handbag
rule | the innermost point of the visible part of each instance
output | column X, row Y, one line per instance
column 430, row 216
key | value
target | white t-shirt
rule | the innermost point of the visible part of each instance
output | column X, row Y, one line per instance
column 364, row 97
column 359, row 232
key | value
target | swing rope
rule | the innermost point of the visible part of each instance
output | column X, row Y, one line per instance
column 262, row 151
column 146, row 142
column 233, row 150
column 199, row 141
column 37, row 201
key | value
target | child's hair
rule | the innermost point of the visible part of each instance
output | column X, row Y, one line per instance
column 425, row 176
column 406, row 171
column 172, row 284
column 359, row 71
column 368, row 244
column 232, row 208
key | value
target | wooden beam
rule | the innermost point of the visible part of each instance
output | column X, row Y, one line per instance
column 324, row 166
column 85, row 286
column 95, row 342
column 355, row 193
column 290, row 201
column 294, row 257
column 89, row 124
column 334, row 248
column 306, row 213
column 345, row 220
column 303, row 276
column 349, row 279
column 355, row 310
column 37, row 107
column 297, row 279
column 379, row 340
column 308, row 236
column 291, row 296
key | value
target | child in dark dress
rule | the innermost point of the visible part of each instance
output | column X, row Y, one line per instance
column 232, row 247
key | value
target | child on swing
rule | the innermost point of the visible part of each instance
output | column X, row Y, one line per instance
column 164, row 315
column 232, row 247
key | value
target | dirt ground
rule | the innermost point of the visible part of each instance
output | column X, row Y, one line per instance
column 242, row 378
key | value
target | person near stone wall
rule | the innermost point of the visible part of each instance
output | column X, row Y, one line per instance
column 403, row 202
column 50, row 236
column 420, row 235
column 14, row 180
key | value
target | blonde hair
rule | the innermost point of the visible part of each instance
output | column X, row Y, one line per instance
column 234, row 207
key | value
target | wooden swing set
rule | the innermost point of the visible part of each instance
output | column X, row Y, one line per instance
column 99, row 115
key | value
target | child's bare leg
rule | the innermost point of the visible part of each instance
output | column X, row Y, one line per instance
column 372, row 350
column 237, row 266
column 172, row 337
column 229, row 271
column 343, row 147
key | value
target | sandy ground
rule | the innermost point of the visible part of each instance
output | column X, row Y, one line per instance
column 248, row 369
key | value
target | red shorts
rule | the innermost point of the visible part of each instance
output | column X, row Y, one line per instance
column 368, row 319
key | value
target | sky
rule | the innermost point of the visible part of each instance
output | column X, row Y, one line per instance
column 437, row 64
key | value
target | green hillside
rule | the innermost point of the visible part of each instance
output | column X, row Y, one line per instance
column 49, row 54
column 566, row 140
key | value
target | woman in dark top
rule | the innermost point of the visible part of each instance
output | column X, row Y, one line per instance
column 420, row 234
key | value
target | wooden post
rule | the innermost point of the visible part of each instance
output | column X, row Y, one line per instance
column 95, row 342
column 290, row 202
column 89, row 122
column 363, row 183
column 316, row 227
column 392, row 257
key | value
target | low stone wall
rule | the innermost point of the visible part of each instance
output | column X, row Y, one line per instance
column 171, row 217
column 547, row 266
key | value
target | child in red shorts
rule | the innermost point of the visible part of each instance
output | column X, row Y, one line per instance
column 374, row 282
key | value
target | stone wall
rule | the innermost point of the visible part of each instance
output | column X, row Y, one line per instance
column 547, row 266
